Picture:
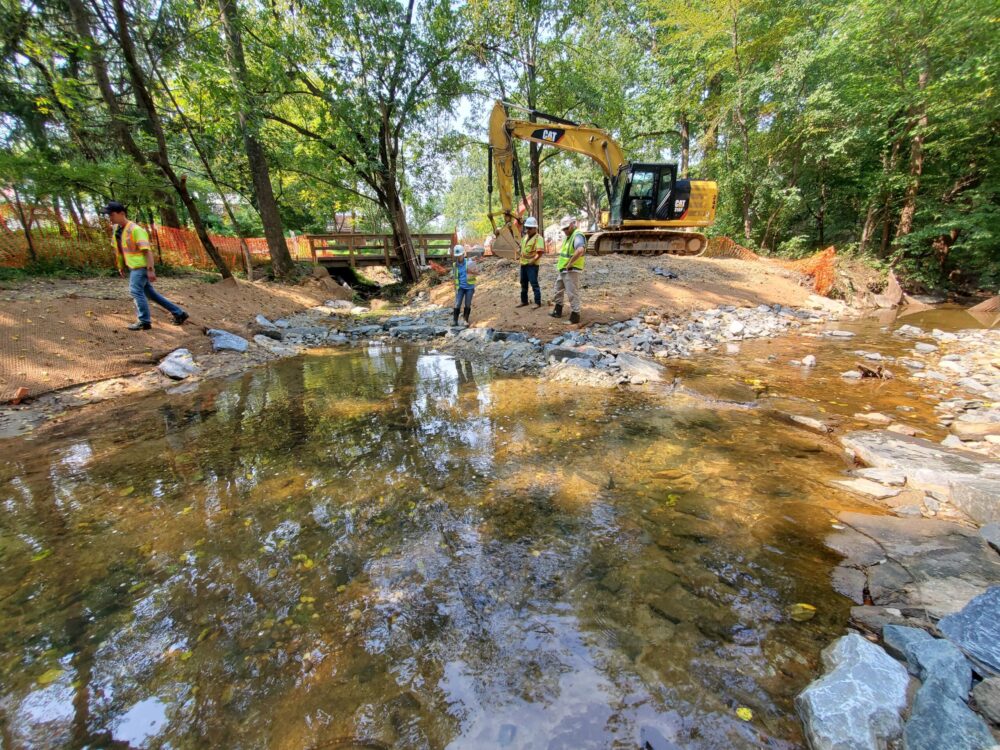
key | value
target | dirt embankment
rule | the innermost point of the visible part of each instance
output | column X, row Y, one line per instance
column 58, row 333
column 617, row 287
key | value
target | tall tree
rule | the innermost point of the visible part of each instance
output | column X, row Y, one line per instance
column 249, row 121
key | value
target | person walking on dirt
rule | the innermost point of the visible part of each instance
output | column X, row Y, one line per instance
column 463, row 271
column 569, row 267
column 532, row 249
column 132, row 251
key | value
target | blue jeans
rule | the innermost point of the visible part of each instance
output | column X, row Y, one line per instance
column 529, row 275
column 466, row 294
column 140, row 288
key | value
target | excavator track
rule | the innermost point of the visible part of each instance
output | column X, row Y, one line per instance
column 646, row 242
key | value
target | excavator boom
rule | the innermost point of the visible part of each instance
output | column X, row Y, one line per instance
column 648, row 223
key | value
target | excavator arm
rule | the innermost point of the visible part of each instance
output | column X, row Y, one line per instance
column 582, row 139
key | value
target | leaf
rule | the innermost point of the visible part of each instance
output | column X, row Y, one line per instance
column 802, row 612
column 744, row 713
column 49, row 676
column 127, row 491
column 39, row 556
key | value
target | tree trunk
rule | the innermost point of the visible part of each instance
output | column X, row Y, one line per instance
column 26, row 221
column 63, row 229
column 121, row 125
column 400, row 228
column 685, row 144
column 267, row 206
column 916, row 163
column 868, row 228
column 167, row 209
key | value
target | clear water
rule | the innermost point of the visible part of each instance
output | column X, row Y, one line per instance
column 388, row 548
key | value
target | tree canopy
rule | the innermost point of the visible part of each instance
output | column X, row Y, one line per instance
column 871, row 126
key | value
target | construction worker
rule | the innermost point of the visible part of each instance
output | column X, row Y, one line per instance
column 132, row 251
column 569, row 267
column 532, row 250
column 463, row 271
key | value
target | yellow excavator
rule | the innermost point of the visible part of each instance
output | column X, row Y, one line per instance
column 651, row 210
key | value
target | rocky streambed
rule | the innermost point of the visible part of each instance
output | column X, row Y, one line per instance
column 920, row 668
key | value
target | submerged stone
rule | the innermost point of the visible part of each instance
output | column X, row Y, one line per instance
column 857, row 704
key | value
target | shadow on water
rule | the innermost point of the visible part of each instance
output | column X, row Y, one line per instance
column 388, row 548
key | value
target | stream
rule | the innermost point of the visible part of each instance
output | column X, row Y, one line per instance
column 383, row 547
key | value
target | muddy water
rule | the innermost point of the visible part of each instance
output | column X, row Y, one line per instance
column 388, row 548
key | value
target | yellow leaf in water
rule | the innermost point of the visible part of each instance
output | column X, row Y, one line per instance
column 744, row 713
column 308, row 564
column 801, row 612
column 184, row 655
column 39, row 556
column 272, row 573
column 341, row 589
column 307, row 599
column 535, row 553
column 187, row 510
column 50, row 676
column 127, row 491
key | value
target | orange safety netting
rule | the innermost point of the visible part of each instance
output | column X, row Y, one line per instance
column 87, row 246
column 820, row 267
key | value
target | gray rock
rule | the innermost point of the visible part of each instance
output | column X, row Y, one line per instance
column 275, row 347
column 809, row 361
column 263, row 322
column 841, row 334
column 930, row 658
column 335, row 339
column 179, row 364
column 976, row 630
column 987, row 697
column 939, row 721
column 947, row 564
column 924, row 348
column 851, row 375
column 512, row 336
column 970, row 481
column 908, row 330
column 815, row 425
column 226, row 341
column 991, row 533
column 417, row 331
column 736, row 328
column 365, row 330
column 857, row 704
column 891, row 477
column 477, row 334
column 282, row 323
column 338, row 304
column 563, row 353
column 636, row 367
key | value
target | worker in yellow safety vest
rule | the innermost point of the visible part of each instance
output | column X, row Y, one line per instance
column 569, row 268
column 532, row 250
column 132, row 252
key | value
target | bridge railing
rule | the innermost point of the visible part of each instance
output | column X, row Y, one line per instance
column 354, row 247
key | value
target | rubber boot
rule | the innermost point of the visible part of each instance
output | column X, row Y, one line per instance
column 574, row 317
column 556, row 311
column 466, row 314
column 454, row 317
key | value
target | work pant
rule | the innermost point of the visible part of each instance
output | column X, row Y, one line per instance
column 569, row 281
column 140, row 288
column 465, row 294
column 529, row 275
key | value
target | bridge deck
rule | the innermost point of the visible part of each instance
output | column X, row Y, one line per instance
column 353, row 249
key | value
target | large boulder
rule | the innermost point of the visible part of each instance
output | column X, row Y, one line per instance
column 970, row 481
column 931, row 659
column 638, row 368
column 940, row 721
column 976, row 630
column 226, row 341
column 856, row 705
column 179, row 364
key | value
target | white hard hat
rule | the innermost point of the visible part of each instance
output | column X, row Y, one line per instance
column 566, row 222
column 459, row 251
column 531, row 223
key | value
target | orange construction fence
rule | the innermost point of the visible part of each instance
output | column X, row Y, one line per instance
column 820, row 267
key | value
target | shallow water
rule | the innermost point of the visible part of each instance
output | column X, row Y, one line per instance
column 388, row 548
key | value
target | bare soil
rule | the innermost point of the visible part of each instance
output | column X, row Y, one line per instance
column 58, row 333
column 618, row 287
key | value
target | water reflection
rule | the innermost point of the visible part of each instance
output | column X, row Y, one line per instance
column 388, row 548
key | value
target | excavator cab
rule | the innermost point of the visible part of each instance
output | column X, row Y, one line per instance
column 647, row 193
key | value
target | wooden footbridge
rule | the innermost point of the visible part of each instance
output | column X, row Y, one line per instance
column 354, row 250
